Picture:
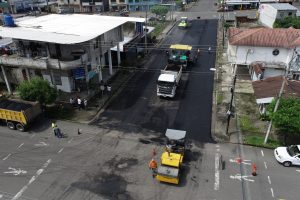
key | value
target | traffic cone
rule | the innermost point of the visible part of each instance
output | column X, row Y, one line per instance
column 254, row 169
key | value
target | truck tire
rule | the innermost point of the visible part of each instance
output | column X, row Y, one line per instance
column 20, row 127
column 11, row 125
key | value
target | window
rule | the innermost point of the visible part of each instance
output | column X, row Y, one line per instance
column 56, row 79
column 275, row 52
column 296, row 76
column 290, row 13
column 130, row 1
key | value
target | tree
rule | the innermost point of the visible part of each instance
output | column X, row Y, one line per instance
column 287, row 22
column 286, row 119
column 159, row 10
column 37, row 89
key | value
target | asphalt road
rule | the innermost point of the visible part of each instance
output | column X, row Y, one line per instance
column 137, row 109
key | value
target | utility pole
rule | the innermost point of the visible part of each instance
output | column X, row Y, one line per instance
column 229, row 112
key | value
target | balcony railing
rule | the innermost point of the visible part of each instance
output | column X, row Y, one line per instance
column 41, row 62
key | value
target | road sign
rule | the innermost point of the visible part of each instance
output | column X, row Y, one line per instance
column 239, row 177
column 15, row 171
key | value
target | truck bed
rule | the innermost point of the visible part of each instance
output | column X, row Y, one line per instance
column 18, row 110
column 172, row 67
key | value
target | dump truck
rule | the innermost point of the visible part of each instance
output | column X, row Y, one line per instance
column 182, row 54
column 168, row 80
column 18, row 114
column 172, row 158
column 184, row 22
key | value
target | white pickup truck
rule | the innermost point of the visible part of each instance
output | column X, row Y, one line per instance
column 168, row 80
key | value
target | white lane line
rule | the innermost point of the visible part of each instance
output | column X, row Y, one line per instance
column 60, row 150
column 20, row 146
column 32, row 135
column 266, row 165
column 6, row 156
column 272, row 192
column 70, row 140
column 269, row 180
column 39, row 172
column 1, row 196
column 262, row 153
column 217, row 172
column 298, row 170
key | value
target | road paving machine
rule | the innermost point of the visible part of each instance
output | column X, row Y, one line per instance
column 172, row 157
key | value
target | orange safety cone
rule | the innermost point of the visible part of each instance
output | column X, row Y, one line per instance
column 254, row 169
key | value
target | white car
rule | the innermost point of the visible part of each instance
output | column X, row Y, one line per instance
column 288, row 155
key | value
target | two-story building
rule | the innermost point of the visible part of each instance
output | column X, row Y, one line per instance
column 142, row 5
column 85, row 6
column 69, row 51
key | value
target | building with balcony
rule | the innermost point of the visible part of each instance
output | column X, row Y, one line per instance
column 69, row 51
column 117, row 5
column 141, row 5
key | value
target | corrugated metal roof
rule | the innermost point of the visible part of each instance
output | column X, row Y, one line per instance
column 265, row 37
column 283, row 6
column 64, row 29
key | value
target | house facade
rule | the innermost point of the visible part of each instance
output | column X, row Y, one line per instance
column 273, row 47
column 69, row 51
column 142, row 5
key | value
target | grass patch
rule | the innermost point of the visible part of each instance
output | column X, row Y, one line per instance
column 246, row 125
column 59, row 112
column 259, row 141
column 159, row 27
column 219, row 98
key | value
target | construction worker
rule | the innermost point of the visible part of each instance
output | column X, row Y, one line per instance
column 56, row 130
column 153, row 167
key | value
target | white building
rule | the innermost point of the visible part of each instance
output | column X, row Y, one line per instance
column 268, row 13
column 67, row 50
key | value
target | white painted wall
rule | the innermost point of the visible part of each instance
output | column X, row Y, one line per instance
column 245, row 55
column 267, row 15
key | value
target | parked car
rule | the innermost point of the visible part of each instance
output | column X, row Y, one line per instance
column 288, row 156
column 124, row 14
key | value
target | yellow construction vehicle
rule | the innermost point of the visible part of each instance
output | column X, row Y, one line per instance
column 172, row 157
column 182, row 54
column 184, row 23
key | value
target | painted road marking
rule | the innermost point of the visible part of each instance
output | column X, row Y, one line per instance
column 239, row 177
column 265, row 165
column 6, row 156
column 269, row 180
column 41, row 144
column 1, row 196
column 238, row 160
column 32, row 135
column 70, row 140
column 60, row 150
column 262, row 153
column 217, row 172
column 39, row 172
column 20, row 146
column 272, row 192
column 15, row 171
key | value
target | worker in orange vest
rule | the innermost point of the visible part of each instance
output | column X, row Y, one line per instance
column 153, row 167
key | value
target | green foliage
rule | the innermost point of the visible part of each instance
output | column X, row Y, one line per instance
column 159, row 10
column 246, row 125
column 287, row 22
column 259, row 141
column 287, row 117
column 37, row 89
